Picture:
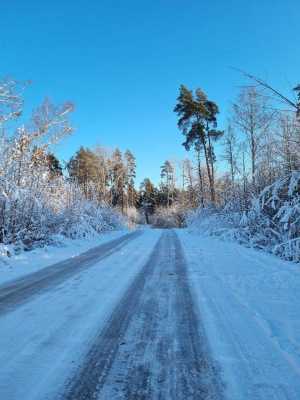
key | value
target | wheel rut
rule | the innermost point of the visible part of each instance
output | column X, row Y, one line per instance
column 154, row 345
column 15, row 294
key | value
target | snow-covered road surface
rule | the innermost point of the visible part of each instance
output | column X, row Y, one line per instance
column 153, row 346
column 159, row 315
column 24, row 288
column 44, row 339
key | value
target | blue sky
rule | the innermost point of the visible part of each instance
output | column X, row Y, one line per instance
column 121, row 62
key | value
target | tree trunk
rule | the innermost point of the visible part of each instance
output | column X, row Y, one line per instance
column 210, row 179
column 200, row 178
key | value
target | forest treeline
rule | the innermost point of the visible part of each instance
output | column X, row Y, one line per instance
column 43, row 200
column 241, row 181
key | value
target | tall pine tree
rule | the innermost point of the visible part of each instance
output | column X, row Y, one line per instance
column 198, row 122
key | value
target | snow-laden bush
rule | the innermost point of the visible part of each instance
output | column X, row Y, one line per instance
column 91, row 220
column 34, row 216
column 168, row 217
column 212, row 220
column 272, row 222
column 133, row 216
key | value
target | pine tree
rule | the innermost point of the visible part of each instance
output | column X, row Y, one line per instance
column 147, row 198
column 130, row 178
column 167, row 176
column 117, row 179
column 82, row 168
column 198, row 122
column 54, row 166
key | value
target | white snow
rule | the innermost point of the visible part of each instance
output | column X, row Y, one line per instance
column 250, row 305
column 48, row 336
column 30, row 261
column 271, row 222
column 248, row 302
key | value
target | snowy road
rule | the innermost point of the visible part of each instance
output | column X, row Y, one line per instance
column 152, row 346
column 23, row 289
column 153, row 315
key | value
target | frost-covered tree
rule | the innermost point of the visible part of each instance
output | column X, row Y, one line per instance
column 231, row 152
column 130, row 174
column 147, row 198
column 191, row 186
column 288, row 142
column 167, row 175
column 118, row 179
column 83, row 169
column 252, row 117
column 264, row 211
column 37, row 202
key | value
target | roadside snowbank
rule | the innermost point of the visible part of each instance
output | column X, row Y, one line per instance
column 25, row 262
column 272, row 223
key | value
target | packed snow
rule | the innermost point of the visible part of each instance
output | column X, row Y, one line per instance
column 249, row 302
column 44, row 340
column 26, row 262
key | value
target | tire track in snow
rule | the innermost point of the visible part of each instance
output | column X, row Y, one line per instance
column 20, row 291
column 153, row 346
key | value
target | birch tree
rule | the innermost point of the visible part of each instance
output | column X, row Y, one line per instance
column 252, row 117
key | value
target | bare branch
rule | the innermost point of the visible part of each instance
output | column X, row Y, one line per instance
column 267, row 86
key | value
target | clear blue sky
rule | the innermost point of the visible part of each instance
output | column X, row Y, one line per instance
column 121, row 62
